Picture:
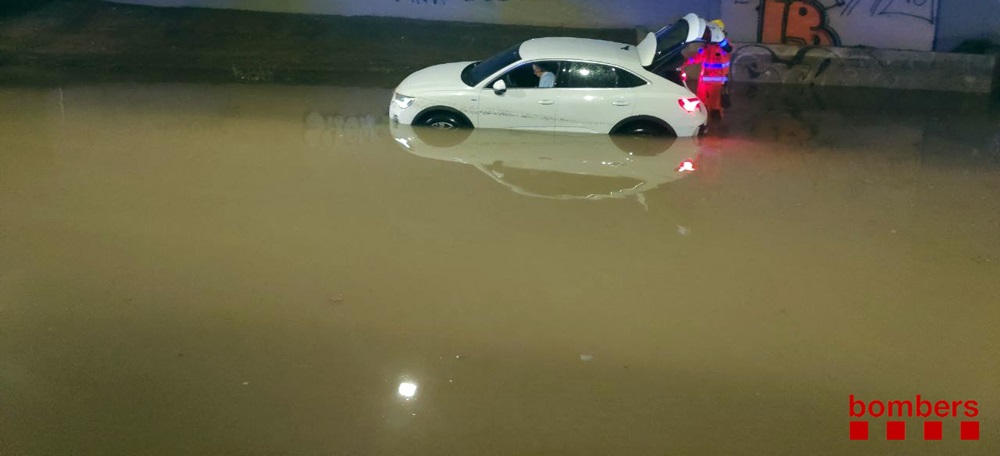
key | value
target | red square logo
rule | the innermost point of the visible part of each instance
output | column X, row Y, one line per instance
column 895, row 430
column 932, row 430
column 970, row 430
column 859, row 430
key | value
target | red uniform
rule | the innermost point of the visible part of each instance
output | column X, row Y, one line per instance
column 714, row 61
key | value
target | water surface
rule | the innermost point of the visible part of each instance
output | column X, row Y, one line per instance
column 254, row 270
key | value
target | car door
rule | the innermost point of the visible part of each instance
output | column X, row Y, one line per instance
column 591, row 99
column 523, row 105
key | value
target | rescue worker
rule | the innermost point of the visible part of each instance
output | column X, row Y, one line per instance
column 714, row 60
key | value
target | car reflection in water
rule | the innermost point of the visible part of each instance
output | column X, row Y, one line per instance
column 562, row 166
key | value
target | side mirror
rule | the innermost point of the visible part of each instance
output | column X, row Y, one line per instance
column 499, row 87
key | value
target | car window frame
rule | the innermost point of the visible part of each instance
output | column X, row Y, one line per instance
column 516, row 65
column 561, row 76
column 562, row 80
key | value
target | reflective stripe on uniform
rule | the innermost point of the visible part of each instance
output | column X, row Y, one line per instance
column 714, row 79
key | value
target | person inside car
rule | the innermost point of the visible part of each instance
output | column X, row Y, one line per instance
column 546, row 78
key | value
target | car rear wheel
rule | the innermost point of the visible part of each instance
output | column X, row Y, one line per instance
column 642, row 128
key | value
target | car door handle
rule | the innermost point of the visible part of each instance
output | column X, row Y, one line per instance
column 620, row 103
column 546, row 102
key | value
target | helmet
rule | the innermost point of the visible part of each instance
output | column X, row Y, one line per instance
column 719, row 23
column 714, row 33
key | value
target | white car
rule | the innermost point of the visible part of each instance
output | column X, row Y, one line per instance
column 599, row 87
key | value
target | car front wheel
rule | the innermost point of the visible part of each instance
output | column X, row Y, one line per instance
column 443, row 121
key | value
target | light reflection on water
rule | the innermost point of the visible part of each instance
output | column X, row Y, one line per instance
column 232, row 270
column 566, row 166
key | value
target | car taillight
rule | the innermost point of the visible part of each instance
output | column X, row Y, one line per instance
column 686, row 166
column 689, row 104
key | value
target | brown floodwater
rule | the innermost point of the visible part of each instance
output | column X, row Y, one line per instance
column 271, row 270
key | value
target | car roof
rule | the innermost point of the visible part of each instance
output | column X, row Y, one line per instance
column 580, row 49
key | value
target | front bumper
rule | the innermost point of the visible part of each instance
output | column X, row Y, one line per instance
column 402, row 115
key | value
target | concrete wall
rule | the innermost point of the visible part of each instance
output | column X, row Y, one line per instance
column 967, row 20
column 938, row 25
column 17, row 6
column 559, row 13
column 863, row 67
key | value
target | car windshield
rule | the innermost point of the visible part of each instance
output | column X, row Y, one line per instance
column 475, row 73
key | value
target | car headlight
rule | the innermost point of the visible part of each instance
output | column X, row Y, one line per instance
column 402, row 101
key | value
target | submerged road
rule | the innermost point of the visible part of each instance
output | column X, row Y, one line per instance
column 227, row 269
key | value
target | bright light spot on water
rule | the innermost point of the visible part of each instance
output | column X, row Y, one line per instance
column 686, row 166
column 407, row 389
column 405, row 142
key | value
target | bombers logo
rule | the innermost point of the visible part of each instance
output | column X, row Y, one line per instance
column 918, row 408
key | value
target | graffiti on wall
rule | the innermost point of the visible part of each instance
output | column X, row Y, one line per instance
column 802, row 22
column 897, row 24
column 920, row 9
column 761, row 64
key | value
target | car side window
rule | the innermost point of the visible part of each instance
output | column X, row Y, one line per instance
column 532, row 75
column 627, row 79
column 583, row 75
